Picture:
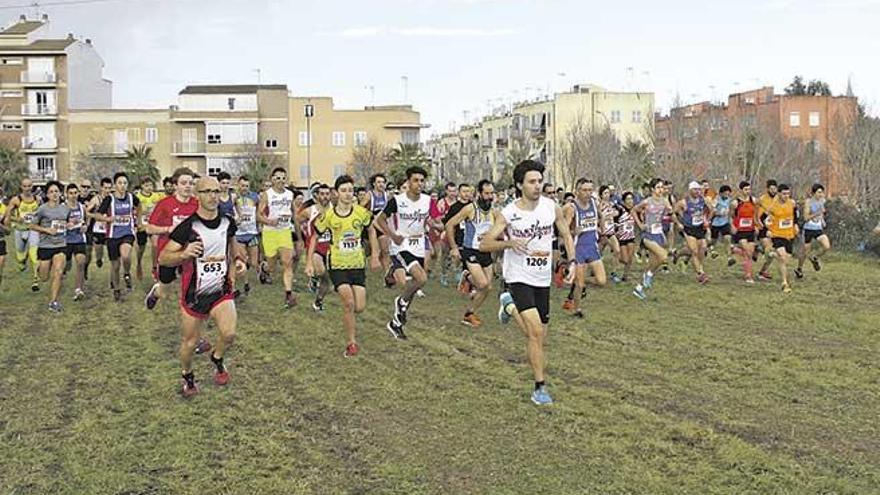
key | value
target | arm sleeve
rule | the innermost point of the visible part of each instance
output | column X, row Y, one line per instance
column 104, row 207
column 182, row 233
column 157, row 216
column 233, row 228
column 390, row 207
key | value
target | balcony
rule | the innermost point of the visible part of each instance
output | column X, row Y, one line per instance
column 41, row 174
column 189, row 148
column 539, row 131
column 29, row 143
column 501, row 143
column 38, row 110
column 111, row 148
column 38, row 77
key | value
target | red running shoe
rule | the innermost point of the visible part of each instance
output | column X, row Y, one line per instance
column 188, row 390
column 351, row 350
column 559, row 275
column 568, row 305
column 221, row 378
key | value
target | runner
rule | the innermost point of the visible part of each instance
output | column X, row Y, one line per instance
column 649, row 215
column 691, row 219
column 120, row 211
column 409, row 213
column 148, row 198
column 625, row 231
column 746, row 221
column 3, row 231
column 168, row 214
column 99, row 229
column 765, row 202
column 275, row 212
column 75, row 238
column 607, row 210
column 720, row 225
column 464, row 198
column 528, row 224
column 436, row 234
column 204, row 247
column 585, row 216
column 319, row 280
column 226, row 206
column 50, row 222
column 20, row 216
column 345, row 222
column 86, row 195
column 477, row 217
column 169, row 186
column 814, row 230
column 782, row 227
column 247, row 234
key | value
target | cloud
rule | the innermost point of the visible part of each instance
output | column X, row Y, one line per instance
column 418, row 31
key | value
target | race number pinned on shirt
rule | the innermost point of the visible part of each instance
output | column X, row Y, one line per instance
column 349, row 244
column 59, row 226
column 786, row 223
column 27, row 218
column 745, row 223
column 697, row 220
column 656, row 228
column 122, row 220
column 283, row 221
column 538, row 261
column 211, row 272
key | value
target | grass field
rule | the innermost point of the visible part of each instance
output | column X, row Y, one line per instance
column 717, row 389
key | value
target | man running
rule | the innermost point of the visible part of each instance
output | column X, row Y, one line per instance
column 720, row 223
column 409, row 213
column 99, row 229
column 814, row 230
column 782, row 227
column 649, row 215
column 148, row 197
column 765, row 202
column 607, row 210
column 528, row 224
column 50, row 222
column 691, row 219
column 275, row 213
column 585, row 216
column 345, row 222
column 478, row 218
column 247, row 233
column 625, row 231
column 76, row 238
column 20, row 216
column 3, row 231
column 463, row 199
column 436, row 233
column 226, row 206
column 746, row 222
column 319, row 280
column 204, row 247
column 120, row 211
column 375, row 203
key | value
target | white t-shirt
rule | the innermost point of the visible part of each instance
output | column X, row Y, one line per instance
column 536, row 266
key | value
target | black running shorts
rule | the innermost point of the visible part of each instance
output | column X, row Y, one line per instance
column 527, row 297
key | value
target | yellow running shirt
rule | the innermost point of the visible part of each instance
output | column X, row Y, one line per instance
column 346, row 252
column 147, row 204
column 781, row 219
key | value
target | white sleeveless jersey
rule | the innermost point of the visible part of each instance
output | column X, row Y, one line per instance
column 536, row 227
column 408, row 219
column 279, row 208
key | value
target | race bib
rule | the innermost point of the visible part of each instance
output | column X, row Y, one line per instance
column 656, row 228
column 283, row 221
column 145, row 218
column 211, row 272
column 697, row 220
column 27, row 218
column 122, row 220
column 247, row 218
column 349, row 244
column 588, row 225
column 745, row 222
column 786, row 224
column 414, row 242
column 629, row 228
column 325, row 237
column 100, row 228
column 539, row 263
column 59, row 226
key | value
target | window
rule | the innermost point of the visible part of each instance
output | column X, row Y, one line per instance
column 814, row 146
column 750, row 100
column 271, row 143
column 304, row 172
column 305, row 139
column 338, row 138
column 214, row 170
column 615, row 116
column 338, row 170
column 409, row 137
column 214, row 139
column 11, row 61
column 151, row 135
column 42, row 167
column 794, row 119
column 11, row 94
column 637, row 117
column 231, row 132
column 360, row 138
column 814, row 119
column 12, row 126
column 230, row 102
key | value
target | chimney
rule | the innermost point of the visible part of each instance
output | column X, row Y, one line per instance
column 70, row 36
column 45, row 17
column 89, row 41
column 22, row 17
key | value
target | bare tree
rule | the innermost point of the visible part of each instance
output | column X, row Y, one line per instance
column 859, row 145
column 368, row 159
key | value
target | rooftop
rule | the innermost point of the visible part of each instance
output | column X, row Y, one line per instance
column 230, row 89
column 40, row 46
column 21, row 27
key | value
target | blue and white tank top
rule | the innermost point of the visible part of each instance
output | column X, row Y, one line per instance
column 75, row 222
column 476, row 228
column 694, row 212
column 122, row 211
column 817, row 223
column 722, row 212
column 586, row 223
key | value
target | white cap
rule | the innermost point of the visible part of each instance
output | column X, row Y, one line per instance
column 694, row 185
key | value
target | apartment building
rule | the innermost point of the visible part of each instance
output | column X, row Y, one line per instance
column 540, row 127
column 813, row 120
column 41, row 80
column 324, row 138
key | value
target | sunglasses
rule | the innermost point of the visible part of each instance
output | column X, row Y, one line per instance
column 209, row 191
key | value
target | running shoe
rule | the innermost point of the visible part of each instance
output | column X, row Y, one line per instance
column 504, row 300
column 127, row 278
column 560, row 274
column 420, row 294
column 568, row 304
column 647, row 280
column 703, row 278
column 400, row 307
column 444, row 280
column 541, row 397
column 221, row 377
column 189, row 388
column 202, row 346
column 616, row 278
column 351, row 350
column 464, row 286
column 471, row 320
column 289, row 300
column 117, row 295
column 578, row 314
column 816, row 265
column 313, row 284
column 396, row 330
column 318, row 305
column 731, row 261
column 639, row 292
column 765, row 276
column 35, row 286
column 750, row 280
column 55, row 307
column 713, row 253
column 22, row 266
column 78, row 295
column 799, row 272
column 247, row 289
column 674, row 254
column 786, row 289
column 152, row 297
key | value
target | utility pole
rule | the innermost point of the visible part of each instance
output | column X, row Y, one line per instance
column 309, row 111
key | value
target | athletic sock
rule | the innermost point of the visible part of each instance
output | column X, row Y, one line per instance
column 218, row 362
column 190, row 379
column 539, row 384
column 571, row 293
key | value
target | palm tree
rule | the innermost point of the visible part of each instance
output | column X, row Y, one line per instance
column 13, row 168
column 139, row 162
column 402, row 157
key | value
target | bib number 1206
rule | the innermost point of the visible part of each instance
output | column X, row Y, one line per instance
column 536, row 261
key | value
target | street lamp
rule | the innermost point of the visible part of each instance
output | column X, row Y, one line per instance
column 309, row 112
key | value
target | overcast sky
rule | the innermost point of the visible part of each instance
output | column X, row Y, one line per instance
column 464, row 55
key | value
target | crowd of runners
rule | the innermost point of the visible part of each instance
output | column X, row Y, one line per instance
column 218, row 236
